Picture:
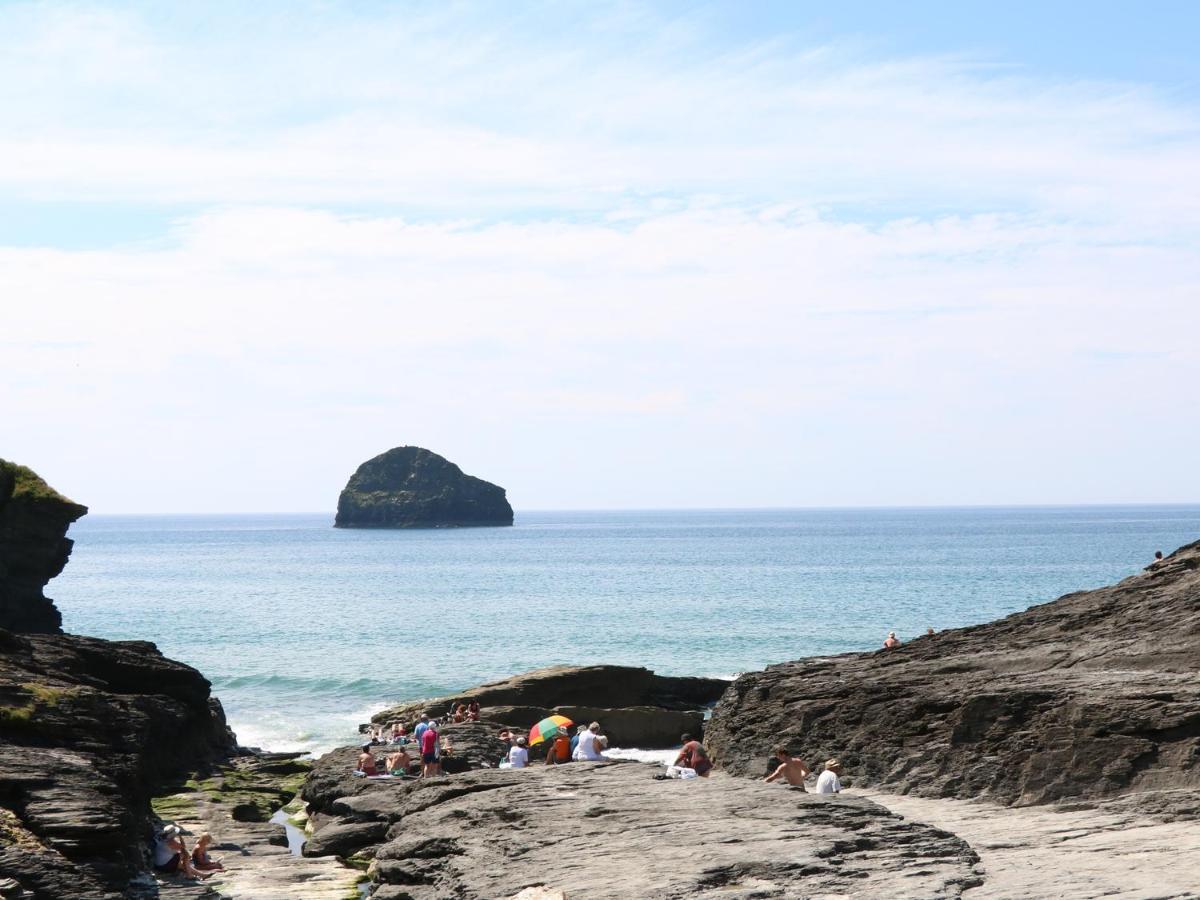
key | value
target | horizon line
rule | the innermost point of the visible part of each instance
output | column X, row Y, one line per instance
column 701, row 509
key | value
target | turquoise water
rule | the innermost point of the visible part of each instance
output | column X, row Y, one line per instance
column 305, row 630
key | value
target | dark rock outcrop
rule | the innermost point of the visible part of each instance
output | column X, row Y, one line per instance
column 636, row 707
column 410, row 487
column 33, row 548
column 1092, row 695
column 88, row 727
column 612, row 832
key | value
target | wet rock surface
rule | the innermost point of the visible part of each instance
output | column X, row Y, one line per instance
column 635, row 706
column 610, row 830
column 411, row 487
column 1090, row 696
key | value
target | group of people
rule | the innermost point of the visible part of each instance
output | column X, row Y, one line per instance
column 171, row 855
column 794, row 771
column 587, row 743
column 429, row 750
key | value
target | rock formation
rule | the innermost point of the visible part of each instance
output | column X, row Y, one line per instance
column 1092, row 695
column 33, row 548
column 613, row 832
column 410, row 487
column 88, row 727
column 636, row 707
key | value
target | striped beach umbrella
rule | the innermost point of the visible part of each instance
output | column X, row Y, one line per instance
column 547, row 729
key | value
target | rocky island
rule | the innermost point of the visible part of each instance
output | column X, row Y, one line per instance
column 411, row 487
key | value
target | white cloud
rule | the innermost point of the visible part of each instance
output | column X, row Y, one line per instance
column 617, row 270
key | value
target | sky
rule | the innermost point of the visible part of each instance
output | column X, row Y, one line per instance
column 612, row 255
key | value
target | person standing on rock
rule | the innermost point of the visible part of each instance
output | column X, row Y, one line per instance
column 892, row 641
column 792, row 769
column 829, row 782
column 692, row 755
column 429, row 751
column 420, row 730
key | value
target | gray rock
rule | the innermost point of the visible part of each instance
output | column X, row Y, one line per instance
column 410, row 487
column 1092, row 695
column 612, row 831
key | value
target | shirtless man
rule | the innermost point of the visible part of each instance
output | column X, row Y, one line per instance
column 892, row 641
column 366, row 762
column 791, row 768
column 398, row 762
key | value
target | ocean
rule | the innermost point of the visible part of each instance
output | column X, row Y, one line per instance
column 306, row 630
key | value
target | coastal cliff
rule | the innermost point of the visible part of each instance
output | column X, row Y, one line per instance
column 411, row 487
column 33, row 548
column 1090, row 696
column 88, row 728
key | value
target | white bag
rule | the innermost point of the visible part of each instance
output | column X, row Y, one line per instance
column 681, row 772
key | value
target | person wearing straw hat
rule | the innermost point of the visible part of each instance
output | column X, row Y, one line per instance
column 829, row 782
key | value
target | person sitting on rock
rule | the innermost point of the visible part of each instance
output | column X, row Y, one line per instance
column 518, row 756
column 366, row 762
column 460, row 713
column 892, row 641
column 473, row 711
column 791, row 768
column 201, row 859
column 399, row 735
column 171, row 855
column 693, row 756
column 429, row 752
column 588, row 746
column 559, row 750
column 398, row 762
column 828, row 782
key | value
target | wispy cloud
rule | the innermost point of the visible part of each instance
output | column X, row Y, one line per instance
column 424, row 227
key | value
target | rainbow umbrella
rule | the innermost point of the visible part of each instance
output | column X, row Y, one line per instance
column 547, row 729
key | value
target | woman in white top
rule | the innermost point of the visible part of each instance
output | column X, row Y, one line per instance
column 589, row 744
column 518, row 756
column 828, row 781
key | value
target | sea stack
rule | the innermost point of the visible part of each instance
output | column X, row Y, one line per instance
column 411, row 487
column 33, row 548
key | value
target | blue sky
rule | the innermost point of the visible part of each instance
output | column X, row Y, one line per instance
column 626, row 255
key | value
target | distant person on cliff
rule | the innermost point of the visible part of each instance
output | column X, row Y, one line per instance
column 693, row 756
column 892, row 641
column 828, row 782
column 366, row 762
column 473, row 711
column 399, row 735
column 518, row 756
column 398, row 763
column 791, row 768
column 1158, row 559
column 429, row 752
column 559, row 750
column 588, row 746
column 460, row 713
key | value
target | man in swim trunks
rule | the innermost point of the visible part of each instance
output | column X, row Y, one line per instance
column 398, row 762
column 791, row 768
column 693, row 756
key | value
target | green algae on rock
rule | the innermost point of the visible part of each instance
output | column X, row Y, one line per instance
column 411, row 487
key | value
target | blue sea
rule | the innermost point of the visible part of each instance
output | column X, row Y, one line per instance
column 305, row 630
